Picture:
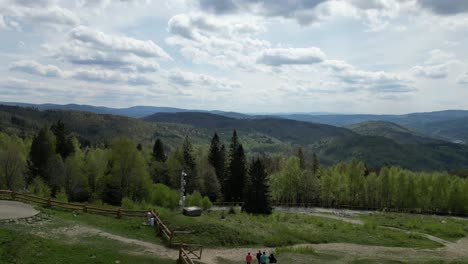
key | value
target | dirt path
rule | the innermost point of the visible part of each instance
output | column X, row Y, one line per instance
column 16, row 210
column 451, row 251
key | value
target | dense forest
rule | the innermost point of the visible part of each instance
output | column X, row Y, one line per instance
column 53, row 163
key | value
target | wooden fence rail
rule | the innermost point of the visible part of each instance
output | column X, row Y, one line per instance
column 161, row 228
column 23, row 197
column 189, row 252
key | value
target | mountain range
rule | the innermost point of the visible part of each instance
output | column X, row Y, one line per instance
column 397, row 140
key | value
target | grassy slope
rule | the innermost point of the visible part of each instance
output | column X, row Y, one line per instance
column 281, row 229
column 19, row 246
column 443, row 227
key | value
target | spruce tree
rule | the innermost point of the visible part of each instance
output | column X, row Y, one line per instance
column 233, row 186
column 300, row 155
column 217, row 157
column 158, row 151
column 42, row 149
column 64, row 145
column 256, row 192
column 315, row 164
column 189, row 166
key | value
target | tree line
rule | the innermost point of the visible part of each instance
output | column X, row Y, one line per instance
column 54, row 164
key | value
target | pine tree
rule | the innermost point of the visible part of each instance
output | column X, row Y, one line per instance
column 217, row 157
column 42, row 149
column 300, row 155
column 256, row 192
column 189, row 166
column 64, row 145
column 233, row 185
column 158, row 151
column 315, row 165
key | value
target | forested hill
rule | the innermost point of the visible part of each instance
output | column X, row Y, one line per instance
column 265, row 135
column 334, row 143
column 286, row 130
column 392, row 131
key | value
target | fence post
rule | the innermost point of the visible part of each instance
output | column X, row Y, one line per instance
column 119, row 213
column 85, row 208
column 49, row 203
column 13, row 195
column 171, row 236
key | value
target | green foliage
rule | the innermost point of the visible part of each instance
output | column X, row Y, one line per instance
column 12, row 162
column 64, row 145
column 77, row 184
column 163, row 196
column 158, row 151
column 62, row 196
column 42, row 149
column 217, row 157
column 233, row 185
column 39, row 188
column 256, row 193
column 206, row 203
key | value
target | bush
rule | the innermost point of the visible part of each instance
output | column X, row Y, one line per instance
column 206, row 203
column 39, row 188
column 163, row 196
column 194, row 199
column 128, row 204
column 61, row 196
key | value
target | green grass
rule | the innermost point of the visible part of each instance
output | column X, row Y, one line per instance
column 442, row 227
column 128, row 227
column 21, row 247
column 281, row 229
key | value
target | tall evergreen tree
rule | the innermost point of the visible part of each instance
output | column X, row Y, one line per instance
column 256, row 192
column 217, row 157
column 300, row 155
column 233, row 186
column 189, row 166
column 64, row 145
column 158, row 151
column 315, row 165
column 42, row 149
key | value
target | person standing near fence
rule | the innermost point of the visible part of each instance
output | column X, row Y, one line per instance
column 259, row 255
column 263, row 258
column 248, row 258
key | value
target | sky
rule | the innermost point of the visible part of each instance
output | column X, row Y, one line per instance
column 340, row 56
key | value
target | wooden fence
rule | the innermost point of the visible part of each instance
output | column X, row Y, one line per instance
column 51, row 203
column 189, row 252
column 161, row 228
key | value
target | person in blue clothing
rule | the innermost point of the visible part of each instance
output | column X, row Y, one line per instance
column 263, row 258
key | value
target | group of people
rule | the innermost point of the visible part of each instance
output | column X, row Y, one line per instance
column 261, row 258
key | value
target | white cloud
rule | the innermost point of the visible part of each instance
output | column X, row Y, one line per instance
column 83, row 74
column 36, row 14
column 190, row 79
column 291, row 56
column 431, row 71
column 463, row 79
column 102, row 41
column 228, row 42
column 32, row 67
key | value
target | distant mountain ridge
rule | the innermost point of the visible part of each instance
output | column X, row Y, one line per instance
column 134, row 111
column 392, row 131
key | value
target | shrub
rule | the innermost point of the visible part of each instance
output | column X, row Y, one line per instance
column 163, row 196
column 61, row 196
column 128, row 204
column 206, row 203
column 39, row 188
column 194, row 199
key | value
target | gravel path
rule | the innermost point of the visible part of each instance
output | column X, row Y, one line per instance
column 15, row 210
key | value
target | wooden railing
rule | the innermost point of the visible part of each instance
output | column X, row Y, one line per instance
column 189, row 252
column 162, row 229
column 51, row 203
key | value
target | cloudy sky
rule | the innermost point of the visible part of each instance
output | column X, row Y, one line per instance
column 345, row 56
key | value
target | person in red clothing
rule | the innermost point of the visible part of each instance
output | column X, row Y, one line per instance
column 248, row 258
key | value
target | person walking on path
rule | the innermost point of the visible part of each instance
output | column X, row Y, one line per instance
column 263, row 258
column 259, row 255
column 248, row 258
column 272, row 258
